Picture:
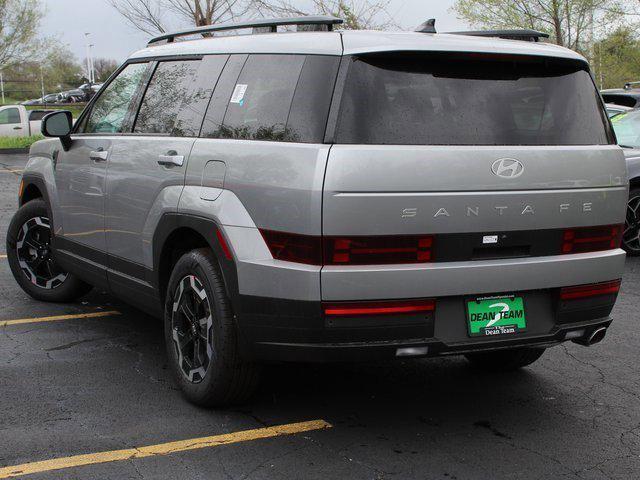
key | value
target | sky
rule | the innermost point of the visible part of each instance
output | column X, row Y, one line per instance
column 69, row 20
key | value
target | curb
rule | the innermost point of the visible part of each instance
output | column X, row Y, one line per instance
column 8, row 151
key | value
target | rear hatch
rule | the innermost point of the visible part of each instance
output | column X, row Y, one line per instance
column 491, row 156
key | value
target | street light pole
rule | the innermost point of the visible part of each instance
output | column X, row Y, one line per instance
column 93, row 69
column 89, row 68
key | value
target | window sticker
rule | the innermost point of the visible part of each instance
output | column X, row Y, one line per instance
column 238, row 94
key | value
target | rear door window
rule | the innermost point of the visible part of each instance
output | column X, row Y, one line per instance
column 419, row 99
column 175, row 100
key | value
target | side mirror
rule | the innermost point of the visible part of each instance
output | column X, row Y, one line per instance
column 58, row 125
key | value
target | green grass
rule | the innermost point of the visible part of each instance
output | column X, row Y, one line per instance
column 19, row 142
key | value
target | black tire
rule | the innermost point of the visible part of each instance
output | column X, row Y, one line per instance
column 505, row 360
column 214, row 375
column 631, row 237
column 54, row 285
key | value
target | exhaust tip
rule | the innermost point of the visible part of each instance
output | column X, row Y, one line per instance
column 596, row 336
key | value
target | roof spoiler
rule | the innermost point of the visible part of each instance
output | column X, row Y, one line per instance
column 524, row 35
column 311, row 23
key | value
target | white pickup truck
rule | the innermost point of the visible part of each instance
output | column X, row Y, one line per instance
column 17, row 121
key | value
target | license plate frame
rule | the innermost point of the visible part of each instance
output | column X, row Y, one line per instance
column 512, row 321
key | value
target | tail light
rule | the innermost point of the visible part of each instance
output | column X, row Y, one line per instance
column 590, row 290
column 292, row 247
column 352, row 309
column 591, row 239
column 378, row 250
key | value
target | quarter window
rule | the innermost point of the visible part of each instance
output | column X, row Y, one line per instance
column 9, row 116
column 259, row 105
column 110, row 111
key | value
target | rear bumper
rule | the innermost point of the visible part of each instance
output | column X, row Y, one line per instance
column 399, row 349
column 281, row 330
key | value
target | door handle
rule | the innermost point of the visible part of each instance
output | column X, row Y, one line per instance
column 171, row 159
column 99, row 155
column 17, row 128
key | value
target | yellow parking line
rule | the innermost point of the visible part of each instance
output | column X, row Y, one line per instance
column 55, row 318
column 161, row 449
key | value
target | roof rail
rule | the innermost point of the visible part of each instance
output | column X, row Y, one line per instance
column 630, row 85
column 526, row 35
column 325, row 23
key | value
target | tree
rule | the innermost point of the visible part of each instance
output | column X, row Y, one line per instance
column 357, row 14
column 149, row 16
column 103, row 68
column 570, row 23
column 617, row 59
column 19, row 22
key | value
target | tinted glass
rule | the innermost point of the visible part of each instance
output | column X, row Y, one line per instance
column 312, row 100
column 193, row 108
column 212, row 125
column 261, row 99
column 109, row 112
column 411, row 99
column 171, row 89
column 38, row 114
column 9, row 115
column 627, row 128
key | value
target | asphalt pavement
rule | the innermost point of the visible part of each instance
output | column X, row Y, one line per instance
column 96, row 384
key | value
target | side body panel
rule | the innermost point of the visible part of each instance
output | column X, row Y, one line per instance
column 140, row 191
column 276, row 186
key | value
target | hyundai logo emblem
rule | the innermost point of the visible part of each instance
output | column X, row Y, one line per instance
column 507, row 168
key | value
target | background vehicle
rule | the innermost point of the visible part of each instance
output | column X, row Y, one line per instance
column 334, row 196
column 629, row 96
column 73, row 96
column 627, row 128
column 17, row 121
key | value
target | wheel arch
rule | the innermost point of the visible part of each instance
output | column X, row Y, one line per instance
column 32, row 187
column 176, row 235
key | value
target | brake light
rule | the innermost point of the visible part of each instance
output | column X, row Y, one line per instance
column 353, row 309
column 591, row 239
column 377, row 250
column 292, row 247
column 590, row 290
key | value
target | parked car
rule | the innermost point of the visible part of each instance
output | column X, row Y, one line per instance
column 17, row 121
column 613, row 109
column 52, row 98
column 629, row 96
column 35, row 101
column 346, row 196
column 627, row 128
column 73, row 96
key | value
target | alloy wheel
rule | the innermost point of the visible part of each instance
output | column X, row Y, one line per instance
column 191, row 327
column 631, row 236
column 33, row 248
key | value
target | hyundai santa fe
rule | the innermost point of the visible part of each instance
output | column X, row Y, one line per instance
column 327, row 195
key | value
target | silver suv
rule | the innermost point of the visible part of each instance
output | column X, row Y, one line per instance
column 324, row 195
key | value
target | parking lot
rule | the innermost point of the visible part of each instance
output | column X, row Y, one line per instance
column 92, row 381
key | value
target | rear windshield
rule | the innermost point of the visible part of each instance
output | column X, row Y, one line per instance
column 464, row 99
